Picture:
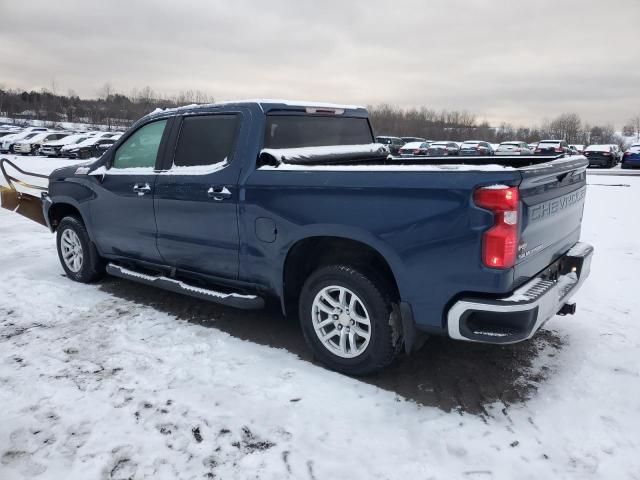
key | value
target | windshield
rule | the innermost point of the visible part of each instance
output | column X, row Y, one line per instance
column 295, row 131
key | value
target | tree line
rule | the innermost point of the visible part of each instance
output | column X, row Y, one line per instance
column 118, row 110
column 110, row 108
column 457, row 126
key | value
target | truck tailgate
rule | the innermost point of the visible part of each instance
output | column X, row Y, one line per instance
column 552, row 196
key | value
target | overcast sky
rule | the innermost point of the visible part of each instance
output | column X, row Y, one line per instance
column 518, row 61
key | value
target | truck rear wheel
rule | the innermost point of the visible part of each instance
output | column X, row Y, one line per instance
column 78, row 255
column 348, row 320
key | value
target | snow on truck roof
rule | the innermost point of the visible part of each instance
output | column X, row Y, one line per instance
column 263, row 102
column 293, row 103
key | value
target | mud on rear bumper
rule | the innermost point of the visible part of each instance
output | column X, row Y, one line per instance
column 520, row 315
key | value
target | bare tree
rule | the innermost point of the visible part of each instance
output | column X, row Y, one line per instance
column 105, row 91
column 635, row 124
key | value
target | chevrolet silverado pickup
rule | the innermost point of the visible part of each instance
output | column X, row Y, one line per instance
column 238, row 203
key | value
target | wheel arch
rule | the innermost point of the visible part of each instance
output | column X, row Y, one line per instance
column 311, row 252
column 59, row 210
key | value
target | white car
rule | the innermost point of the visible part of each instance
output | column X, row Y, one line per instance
column 54, row 149
column 577, row 147
column 101, row 134
column 513, row 148
column 9, row 140
column 617, row 152
column 31, row 146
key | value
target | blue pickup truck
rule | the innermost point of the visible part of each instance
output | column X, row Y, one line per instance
column 242, row 202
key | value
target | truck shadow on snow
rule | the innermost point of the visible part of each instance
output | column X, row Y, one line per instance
column 447, row 374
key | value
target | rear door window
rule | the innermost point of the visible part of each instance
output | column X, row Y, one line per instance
column 295, row 131
column 206, row 140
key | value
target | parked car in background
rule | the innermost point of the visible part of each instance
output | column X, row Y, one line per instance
column 97, row 134
column 8, row 142
column 413, row 139
column 600, row 156
column 4, row 133
column 414, row 148
column 513, row 148
column 54, row 149
column 578, row 148
column 533, row 146
column 31, row 146
column 393, row 143
column 91, row 147
column 476, row 147
column 552, row 147
column 440, row 149
column 631, row 158
column 617, row 151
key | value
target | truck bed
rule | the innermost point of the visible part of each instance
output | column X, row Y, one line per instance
column 419, row 213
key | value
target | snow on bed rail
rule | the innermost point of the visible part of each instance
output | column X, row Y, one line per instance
column 388, row 168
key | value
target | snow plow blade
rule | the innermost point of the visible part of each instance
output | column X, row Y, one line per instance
column 28, row 205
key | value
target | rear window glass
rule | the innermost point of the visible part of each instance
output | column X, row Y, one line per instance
column 294, row 131
column 206, row 140
column 598, row 148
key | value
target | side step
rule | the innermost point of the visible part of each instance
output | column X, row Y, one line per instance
column 237, row 300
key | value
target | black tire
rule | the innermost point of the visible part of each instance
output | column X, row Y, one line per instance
column 93, row 266
column 385, row 330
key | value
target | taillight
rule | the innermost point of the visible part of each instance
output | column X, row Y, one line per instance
column 416, row 151
column 606, row 153
column 559, row 150
column 518, row 149
column 500, row 242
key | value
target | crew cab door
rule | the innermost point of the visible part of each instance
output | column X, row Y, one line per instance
column 196, row 199
column 122, row 214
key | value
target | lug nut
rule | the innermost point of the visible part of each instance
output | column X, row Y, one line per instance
column 339, row 327
column 353, row 322
column 335, row 317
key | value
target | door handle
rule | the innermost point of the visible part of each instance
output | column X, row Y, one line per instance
column 141, row 189
column 218, row 193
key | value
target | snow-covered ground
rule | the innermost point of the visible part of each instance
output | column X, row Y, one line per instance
column 107, row 382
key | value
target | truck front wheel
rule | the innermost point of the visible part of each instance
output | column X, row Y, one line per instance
column 348, row 320
column 78, row 255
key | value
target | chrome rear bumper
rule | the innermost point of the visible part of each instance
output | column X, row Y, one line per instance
column 519, row 316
